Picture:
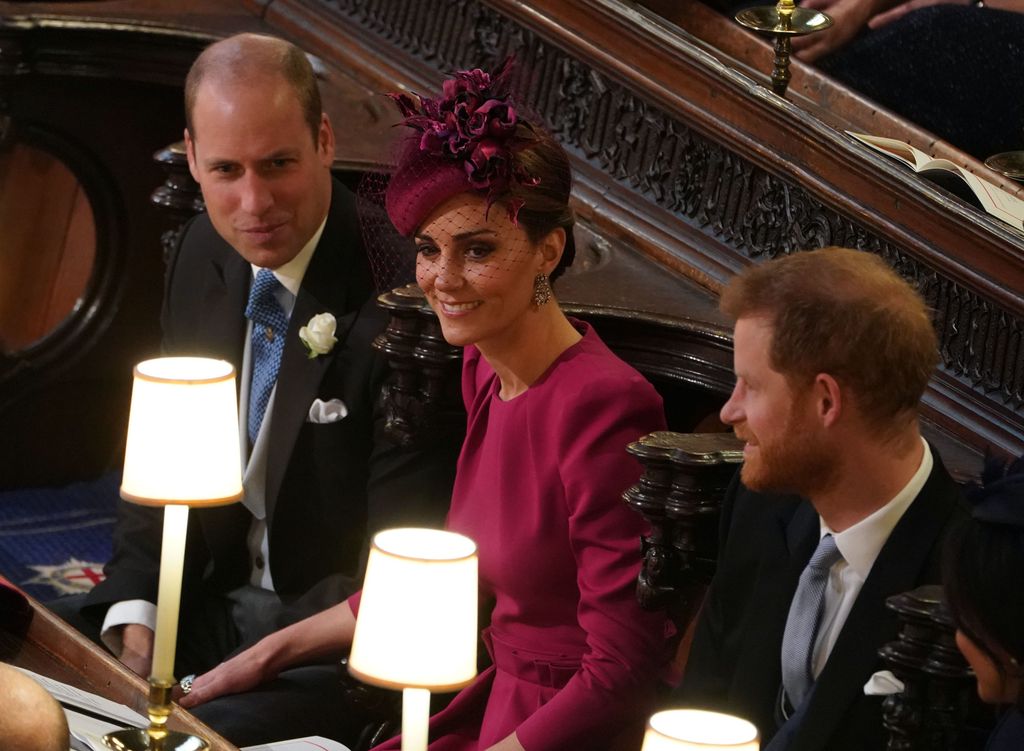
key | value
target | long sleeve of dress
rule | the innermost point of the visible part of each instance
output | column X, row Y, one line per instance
column 625, row 646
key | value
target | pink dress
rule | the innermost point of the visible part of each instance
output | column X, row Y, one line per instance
column 539, row 488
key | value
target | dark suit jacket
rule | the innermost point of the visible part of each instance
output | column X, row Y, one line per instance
column 735, row 660
column 328, row 485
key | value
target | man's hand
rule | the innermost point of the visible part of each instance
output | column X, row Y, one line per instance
column 848, row 16
column 137, row 649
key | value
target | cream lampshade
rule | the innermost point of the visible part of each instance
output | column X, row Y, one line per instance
column 693, row 729
column 182, row 450
column 417, row 623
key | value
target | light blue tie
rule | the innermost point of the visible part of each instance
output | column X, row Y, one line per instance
column 269, row 325
column 803, row 622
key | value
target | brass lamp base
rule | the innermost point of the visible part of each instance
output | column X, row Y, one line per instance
column 138, row 739
column 1008, row 164
column 784, row 21
column 156, row 737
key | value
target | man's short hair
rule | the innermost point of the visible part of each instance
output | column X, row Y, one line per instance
column 848, row 314
column 242, row 58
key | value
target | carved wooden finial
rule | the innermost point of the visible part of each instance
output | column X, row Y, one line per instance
column 930, row 712
column 685, row 476
column 424, row 384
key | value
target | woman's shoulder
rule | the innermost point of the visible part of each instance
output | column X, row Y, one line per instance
column 595, row 386
column 594, row 368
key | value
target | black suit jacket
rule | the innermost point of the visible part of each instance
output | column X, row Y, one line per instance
column 735, row 661
column 328, row 486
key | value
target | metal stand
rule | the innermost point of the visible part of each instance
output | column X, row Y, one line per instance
column 783, row 21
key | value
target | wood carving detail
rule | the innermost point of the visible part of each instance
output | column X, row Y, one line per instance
column 693, row 177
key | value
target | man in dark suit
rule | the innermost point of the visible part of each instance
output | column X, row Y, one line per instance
column 277, row 254
column 839, row 504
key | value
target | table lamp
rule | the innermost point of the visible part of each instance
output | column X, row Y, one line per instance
column 693, row 729
column 417, row 623
column 182, row 450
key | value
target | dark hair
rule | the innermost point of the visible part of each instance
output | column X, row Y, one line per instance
column 546, row 204
column 982, row 571
column 241, row 58
column 846, row 313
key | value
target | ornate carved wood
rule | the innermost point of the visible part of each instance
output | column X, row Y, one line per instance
column 680, row 493
column 424, row 383
column 709, row 171
column 929, row 714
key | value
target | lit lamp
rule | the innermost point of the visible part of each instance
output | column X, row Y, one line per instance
column 417, row 623
column 182, row 451
column 693, row 729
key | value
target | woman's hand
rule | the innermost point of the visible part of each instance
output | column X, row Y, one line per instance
column 327, row 634
column 241, row 673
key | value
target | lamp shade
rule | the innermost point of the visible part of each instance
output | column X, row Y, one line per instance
column 183, row 445
column 692, row 729
column 417, row 623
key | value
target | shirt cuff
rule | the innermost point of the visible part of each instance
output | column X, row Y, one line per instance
column 141, row 612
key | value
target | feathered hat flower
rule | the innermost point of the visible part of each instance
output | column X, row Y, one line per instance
column 474, row 126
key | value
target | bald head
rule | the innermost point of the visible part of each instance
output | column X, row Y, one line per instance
column 30, row 719
column 248, row 60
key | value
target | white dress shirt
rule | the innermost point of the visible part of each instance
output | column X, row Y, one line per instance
column 860, row 546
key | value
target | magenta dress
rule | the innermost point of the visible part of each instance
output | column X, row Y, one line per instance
column 539, row 487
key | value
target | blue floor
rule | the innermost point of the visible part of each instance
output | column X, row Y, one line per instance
column 54, row 541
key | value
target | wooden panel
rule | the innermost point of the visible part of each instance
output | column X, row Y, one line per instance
column 32, row 637
column 38, row 196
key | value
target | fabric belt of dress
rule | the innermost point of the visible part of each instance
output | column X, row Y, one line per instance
column 551, row 671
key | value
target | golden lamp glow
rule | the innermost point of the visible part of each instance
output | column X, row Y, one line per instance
column 183, row 445
column 693, row 729
column 417, row 623
column 182, row 450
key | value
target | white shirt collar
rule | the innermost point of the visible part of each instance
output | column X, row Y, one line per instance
column 861, row 543
column 290, row 274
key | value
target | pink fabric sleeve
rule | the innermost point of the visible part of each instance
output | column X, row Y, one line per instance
column 627, row 647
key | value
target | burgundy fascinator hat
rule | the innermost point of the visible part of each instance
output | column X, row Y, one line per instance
column 466, row 140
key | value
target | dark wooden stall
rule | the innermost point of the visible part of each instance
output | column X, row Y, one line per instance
column 688, row 168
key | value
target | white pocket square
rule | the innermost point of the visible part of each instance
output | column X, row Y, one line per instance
column 329, row 411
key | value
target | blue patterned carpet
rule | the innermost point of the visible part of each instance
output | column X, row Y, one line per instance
column 54, row 541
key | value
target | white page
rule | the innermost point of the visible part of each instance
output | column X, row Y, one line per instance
column 313, row 743
column 65, row 694
column 87, row 732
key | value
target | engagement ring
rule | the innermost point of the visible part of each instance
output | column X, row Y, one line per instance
column 186, row 683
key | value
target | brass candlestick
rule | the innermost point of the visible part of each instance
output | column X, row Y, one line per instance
column 783, row 21
column 156, row 737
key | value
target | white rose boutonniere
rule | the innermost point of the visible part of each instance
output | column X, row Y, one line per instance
column 318, row 335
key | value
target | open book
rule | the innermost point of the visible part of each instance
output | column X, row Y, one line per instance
column 954, row 178
column 90, row 717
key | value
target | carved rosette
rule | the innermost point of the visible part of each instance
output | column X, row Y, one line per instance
column 930, row 711
column 680, row 492
column 422, row 389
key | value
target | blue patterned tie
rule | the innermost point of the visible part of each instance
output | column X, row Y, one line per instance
column 803, row 622
column 269, row 325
